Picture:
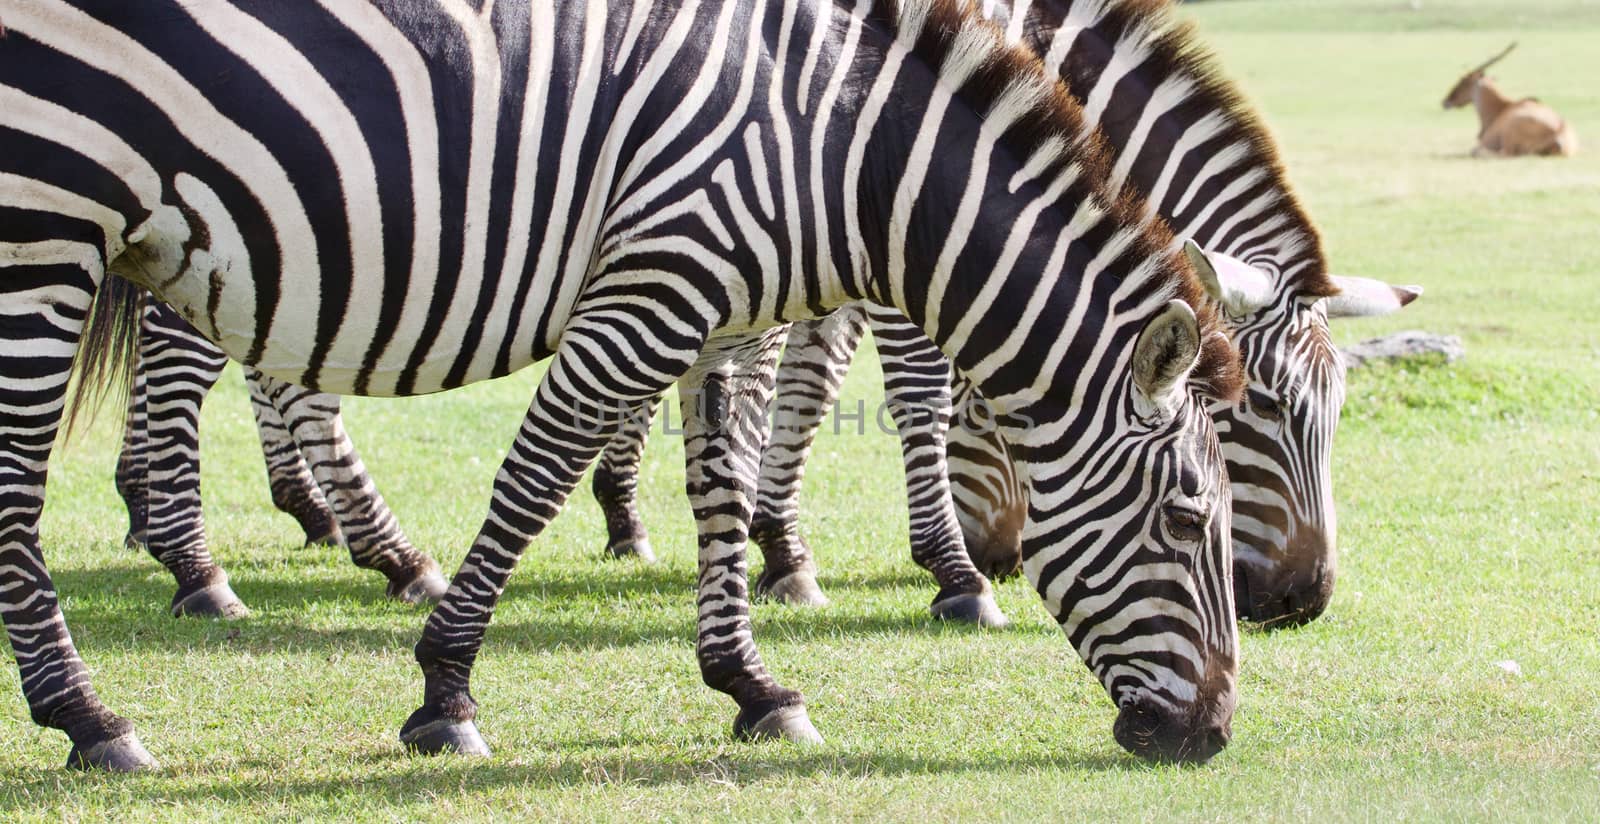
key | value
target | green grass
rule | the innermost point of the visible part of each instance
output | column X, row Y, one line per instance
column 1321, row 16
column 1469, row 508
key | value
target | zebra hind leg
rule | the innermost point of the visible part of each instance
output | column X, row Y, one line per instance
column 815, row 360
column 577, row 409
column 178, row 368
column 724, row 399
column 616, row 485
column 370, row 530
column 294, row 489
column 45, row 289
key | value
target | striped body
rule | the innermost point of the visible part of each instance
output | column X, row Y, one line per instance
column 403, row 197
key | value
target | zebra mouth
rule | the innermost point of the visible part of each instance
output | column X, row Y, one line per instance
column 1155, row 733
column 998, row 559
column 1284, row 600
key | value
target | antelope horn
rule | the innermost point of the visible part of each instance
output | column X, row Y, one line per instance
column 1496, row 59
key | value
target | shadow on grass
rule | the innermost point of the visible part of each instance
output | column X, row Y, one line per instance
column 408, row 779
column 608, row 606
column 618, row 577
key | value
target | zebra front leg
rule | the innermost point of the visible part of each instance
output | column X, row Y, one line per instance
column 294, row 490
column 178, row 368
column 815, row 360
column 370, row 530
column 616, row 485
column 577, row 409
column 916, row 384
column 45, row 292
column 724, row 400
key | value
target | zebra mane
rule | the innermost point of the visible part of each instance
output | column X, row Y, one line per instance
column 1170, row 48
column 971, row 54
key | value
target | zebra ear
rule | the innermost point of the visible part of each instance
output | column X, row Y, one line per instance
column 1365, row 298
column 1242, row 289
column 1167, row 351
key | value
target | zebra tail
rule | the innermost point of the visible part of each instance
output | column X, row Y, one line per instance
column 108, row 351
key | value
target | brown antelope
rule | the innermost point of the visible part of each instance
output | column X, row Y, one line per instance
column 1507, row 127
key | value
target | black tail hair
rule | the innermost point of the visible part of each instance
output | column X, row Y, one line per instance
column 108, row 352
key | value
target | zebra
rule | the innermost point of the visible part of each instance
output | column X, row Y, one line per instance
column 1185, row 139
column 406, row 197
column 1284, row 541
column 158, row 473
column 1286, row 535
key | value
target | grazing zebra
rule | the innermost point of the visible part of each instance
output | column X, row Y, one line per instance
column 1184, row 139
column 158, row 473
column 409, row 196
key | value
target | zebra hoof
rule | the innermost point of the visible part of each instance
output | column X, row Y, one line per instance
column 444, row 735
column 797, row 589
column 782, row 724
column 131, row 541
column 638, row 548
column 215, row 601
column 120, row 755
column 980, row 609
column 426, row 588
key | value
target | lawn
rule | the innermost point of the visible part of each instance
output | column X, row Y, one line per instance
column 1469, row 507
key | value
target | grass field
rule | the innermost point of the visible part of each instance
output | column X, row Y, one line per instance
column 1469, row 507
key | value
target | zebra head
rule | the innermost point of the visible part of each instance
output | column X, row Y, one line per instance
column 1126, row 540
column 1278, row 436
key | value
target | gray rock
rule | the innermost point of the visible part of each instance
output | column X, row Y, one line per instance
column 1401, row 345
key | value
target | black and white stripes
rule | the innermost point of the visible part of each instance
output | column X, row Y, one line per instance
column 1183, row 139
column 403, row 197
column 313, row 471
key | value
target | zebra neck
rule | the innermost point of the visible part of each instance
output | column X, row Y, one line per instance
column 1175, row 126
column 1006, row 251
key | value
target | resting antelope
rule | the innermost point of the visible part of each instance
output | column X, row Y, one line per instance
column 1510, row 128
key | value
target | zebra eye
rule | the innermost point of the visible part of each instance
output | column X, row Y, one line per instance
column 1265, row 405
column 1185, row 522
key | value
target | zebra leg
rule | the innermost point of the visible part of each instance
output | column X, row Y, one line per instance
column 916, row 379
column 294, row 490
column 179, row 367
column 133, row 463
column 815, row 360
column 917, row 388
column 724, row 400
column 369, row 528
column 616, row 484
column 45, row 289
column 577, row 409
